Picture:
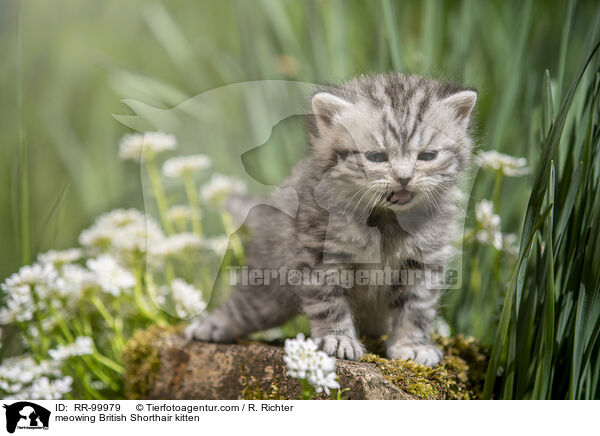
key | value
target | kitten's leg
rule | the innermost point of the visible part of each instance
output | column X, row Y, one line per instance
column 332, row 322
column 414, row 309
column 246, row 311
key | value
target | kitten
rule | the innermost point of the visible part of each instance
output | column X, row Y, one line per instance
column 377, row 191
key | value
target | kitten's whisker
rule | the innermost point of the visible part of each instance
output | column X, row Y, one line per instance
column 360, row 213
column 360, row 189
column 363, row 189
column 361, row 198
column 374, row 199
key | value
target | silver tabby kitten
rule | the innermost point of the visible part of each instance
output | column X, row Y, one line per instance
column 378, row 190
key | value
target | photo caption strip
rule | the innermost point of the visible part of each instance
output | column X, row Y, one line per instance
column 182, row 417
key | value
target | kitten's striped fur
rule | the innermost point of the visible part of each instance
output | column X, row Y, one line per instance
column 345, row 219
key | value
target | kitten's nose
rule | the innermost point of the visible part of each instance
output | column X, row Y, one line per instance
column 404, row 181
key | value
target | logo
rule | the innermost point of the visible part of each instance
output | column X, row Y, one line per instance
column 26, row 415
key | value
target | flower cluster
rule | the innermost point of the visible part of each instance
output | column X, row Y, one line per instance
column 185, row 165
column 83, row 345
column 180, row 213
column 111, row 277
column 122, row 231
column 219, row 187
column 304, row 361
column 20, row 288
column 177, row 244
column 186, row 299
column 134, row 146
column 507, row 165
column 58, row 258
column 22, row 377
column 108, row 287
column 488, row 224
column 43, row 284
column 487, row 228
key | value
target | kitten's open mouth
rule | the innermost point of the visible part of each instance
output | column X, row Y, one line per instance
column 400, row 197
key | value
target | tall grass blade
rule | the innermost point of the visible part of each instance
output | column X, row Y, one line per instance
column 533, row 222
column 393, row 34
column 547, row 105
column 564, row 46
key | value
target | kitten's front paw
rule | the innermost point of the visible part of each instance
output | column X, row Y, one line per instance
column 425, row 354
column 212, row 328
column 343, row 347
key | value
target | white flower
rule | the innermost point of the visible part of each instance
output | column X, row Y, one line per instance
column 180, row 212
column 139, row 237
column 24, row 370
column 47, row 325
column 133, row 146
column 20, row 287
column 82, row 346
column 61, row 257
column 122, row 230
column 489, row 224
column 120, row 218
column 19, row 305
column 304, row 361
column 98, row 385
column 74, row 280
column 176, row 244
column 509, row 165
column 111, row 277
column 187, row 299
column 219, row 186
column 510, row 244
column 182, row 165
column 32, row 275
column 217, row 244
column 102, row 232
column 46, row 389
column 40, row 384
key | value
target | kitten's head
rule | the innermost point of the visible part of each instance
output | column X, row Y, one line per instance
column 392, row 140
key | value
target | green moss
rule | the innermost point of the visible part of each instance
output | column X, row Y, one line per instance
column 142, row 360
column 459, row 376
column 253, row 391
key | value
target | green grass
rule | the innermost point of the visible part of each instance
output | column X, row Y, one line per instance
column 68, row 63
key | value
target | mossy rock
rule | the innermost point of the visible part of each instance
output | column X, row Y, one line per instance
column 459, row 376
column 161, row 364
column 142, row 360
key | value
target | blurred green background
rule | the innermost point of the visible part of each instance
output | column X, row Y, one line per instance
column 66, row 65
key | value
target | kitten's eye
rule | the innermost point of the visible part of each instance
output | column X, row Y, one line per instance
column 377, row 156
column 427, row 155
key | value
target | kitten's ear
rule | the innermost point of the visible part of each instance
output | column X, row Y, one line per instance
column 462, row 103
column 326, row 106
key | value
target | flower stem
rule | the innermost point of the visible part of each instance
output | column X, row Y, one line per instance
column 103, row 311
column 159, row 193
column 109, row 363
column 38, row 317
column 236, row 242
column 140, row 301
column 192, row 196
column 307, row 389
column 62, row 325
column 34, row 348
column 496, row 190
column 101, row 375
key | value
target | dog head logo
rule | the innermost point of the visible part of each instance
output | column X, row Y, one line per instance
column 26, row 415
